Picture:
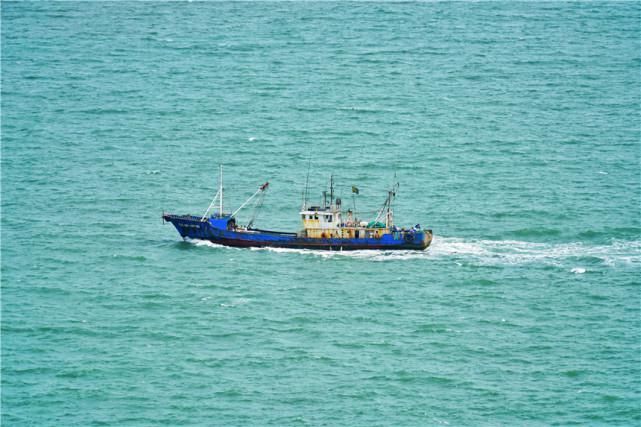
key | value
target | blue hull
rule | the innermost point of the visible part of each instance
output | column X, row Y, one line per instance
column 215, row 231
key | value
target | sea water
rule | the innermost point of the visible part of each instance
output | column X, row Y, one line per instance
column 513, row 129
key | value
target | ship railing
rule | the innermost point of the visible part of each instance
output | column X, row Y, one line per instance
column 349, row 228
column 177, row 216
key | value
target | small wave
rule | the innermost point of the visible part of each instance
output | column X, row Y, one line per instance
column 235, row 302
column 536, row 232
column 129, row 257
column 610, row 233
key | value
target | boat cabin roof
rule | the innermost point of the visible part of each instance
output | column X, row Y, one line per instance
column 324, row 212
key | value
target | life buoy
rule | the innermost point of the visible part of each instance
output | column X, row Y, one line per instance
column 409, row 237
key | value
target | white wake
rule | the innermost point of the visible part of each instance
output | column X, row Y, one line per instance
column 488, row 252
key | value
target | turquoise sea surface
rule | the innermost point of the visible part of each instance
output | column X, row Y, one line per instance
column 513, row 128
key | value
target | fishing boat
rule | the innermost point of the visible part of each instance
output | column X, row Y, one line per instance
column 324, row 227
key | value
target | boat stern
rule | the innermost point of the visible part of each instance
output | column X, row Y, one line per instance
column 427, row 239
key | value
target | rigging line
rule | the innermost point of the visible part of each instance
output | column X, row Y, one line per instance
column 380, row 212
column 261, row 190
column 257, row 206
column 211, row 205
column 388, row 203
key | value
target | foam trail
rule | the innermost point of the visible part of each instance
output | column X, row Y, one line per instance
column 521, row 252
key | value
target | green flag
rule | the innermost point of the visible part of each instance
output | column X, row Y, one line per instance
column 354, row 189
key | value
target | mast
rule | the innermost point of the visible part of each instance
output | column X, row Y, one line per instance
column 221, row 190
column 389, row 220
column 389, row 204
column 309, row 166
column 331, row 190
column 218, row 196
